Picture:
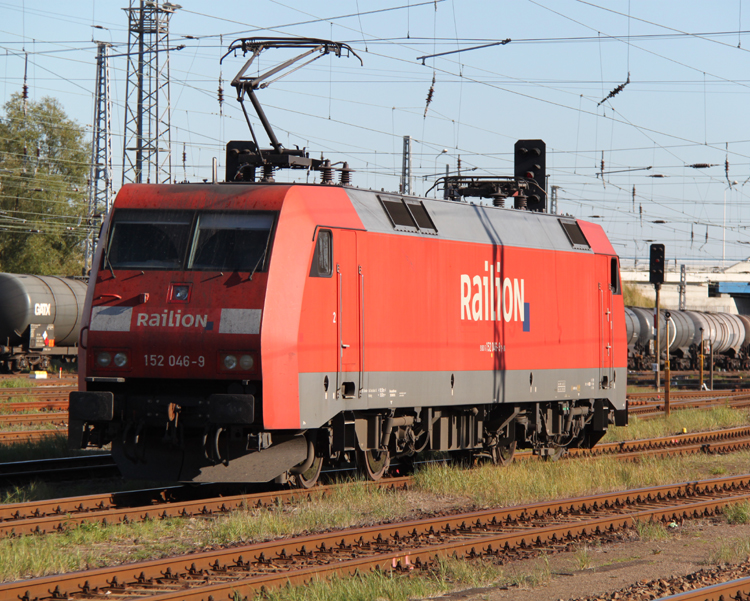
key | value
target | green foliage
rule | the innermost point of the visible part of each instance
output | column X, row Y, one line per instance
column 44, row 166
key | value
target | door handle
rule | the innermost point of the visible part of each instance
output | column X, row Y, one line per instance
column 344, row 345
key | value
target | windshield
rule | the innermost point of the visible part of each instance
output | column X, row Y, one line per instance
column 174, row 240
column 231, row 241
column 149, row 239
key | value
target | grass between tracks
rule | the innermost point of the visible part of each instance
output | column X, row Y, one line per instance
column 23, row 398
column 438, row 488
column 449, row 574
column 16, row 383
column 46, row 448
column 690, row 420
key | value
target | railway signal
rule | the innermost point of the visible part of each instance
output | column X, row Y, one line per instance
column 656, row 277
column 530, row 159
column 656, row 264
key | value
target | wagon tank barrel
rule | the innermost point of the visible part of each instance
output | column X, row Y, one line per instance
column 40, row 316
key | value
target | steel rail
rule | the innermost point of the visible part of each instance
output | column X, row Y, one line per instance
column 48, row 396
column 31, row 419
column 401, row 546
column 665, row 441
column 54, row 470
column 58, row 405
column 683, row 394
column 55, row 390
column 737, row 590
column 70, row 378
column 652, row 410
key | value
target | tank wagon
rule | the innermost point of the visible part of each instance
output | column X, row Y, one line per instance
column 40, row 319
column 254, row 331
column 728, row 334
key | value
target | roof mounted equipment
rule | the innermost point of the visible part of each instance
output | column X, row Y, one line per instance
column 244, row 157
column 495, row 187
column 526, row 187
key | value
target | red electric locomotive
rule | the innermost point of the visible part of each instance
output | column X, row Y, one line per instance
column 250, row 331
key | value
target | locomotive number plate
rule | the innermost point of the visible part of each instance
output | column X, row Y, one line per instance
column 173, row 360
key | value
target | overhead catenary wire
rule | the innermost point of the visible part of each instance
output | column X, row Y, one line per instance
column 681, row 149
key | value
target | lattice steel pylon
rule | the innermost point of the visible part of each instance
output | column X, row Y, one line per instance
column 147, row 154
column 100, row 177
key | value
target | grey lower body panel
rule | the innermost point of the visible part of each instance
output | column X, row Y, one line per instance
column 393, row 390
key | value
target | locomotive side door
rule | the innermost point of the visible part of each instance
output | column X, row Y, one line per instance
column 349, row 303
column 606, row 333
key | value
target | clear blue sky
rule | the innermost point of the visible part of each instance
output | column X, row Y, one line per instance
column 686, row 101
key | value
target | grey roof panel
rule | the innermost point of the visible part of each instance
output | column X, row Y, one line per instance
column 466, row 222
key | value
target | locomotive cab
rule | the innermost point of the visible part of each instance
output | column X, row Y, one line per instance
column 166, row 363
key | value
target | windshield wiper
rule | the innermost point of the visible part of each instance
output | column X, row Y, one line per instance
column 262, row 256
column 108, row 263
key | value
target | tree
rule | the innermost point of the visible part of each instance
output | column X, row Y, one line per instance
column 44, row 166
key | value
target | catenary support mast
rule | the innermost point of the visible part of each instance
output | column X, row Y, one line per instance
column 147, row 155
column 100, row 177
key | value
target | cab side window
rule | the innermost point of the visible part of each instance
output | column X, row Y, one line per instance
column 323, row 257
column 614, row 277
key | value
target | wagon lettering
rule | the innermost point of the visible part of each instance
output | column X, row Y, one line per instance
column 42, row 309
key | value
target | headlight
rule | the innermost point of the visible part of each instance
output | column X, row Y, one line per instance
column 180, row 293
column 121, row 359
column 230, row 361
column 104, row 359
column 246, row 363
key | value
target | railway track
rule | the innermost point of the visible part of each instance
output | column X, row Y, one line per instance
column 14, row 436
column 650, row 405
column 503, row 534
column 56, row 515
column 68, row 378
column 737, row 589
column 715, row 441
column 8, row 408
column 59, row 514
column 686, row 394
column 48, row 406
column 57, row 418
column 38, row 393
column 721, row 583
column 55, row 470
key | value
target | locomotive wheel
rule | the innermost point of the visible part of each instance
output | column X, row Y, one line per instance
column 373, row 464
column 503, row 454
column 309, row 478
